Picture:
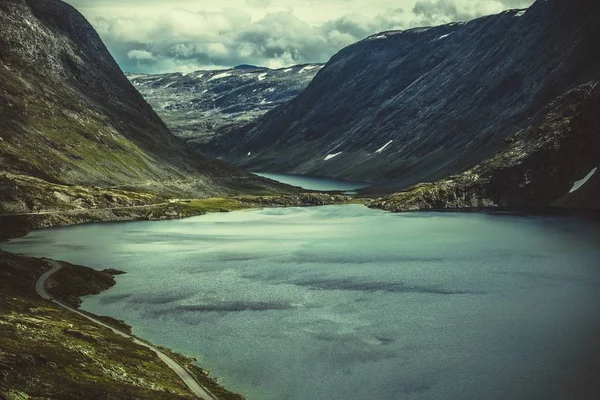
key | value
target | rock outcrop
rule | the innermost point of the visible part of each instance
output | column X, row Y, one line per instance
column 551, row 163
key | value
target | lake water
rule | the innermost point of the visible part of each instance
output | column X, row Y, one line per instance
column 344, row 302
column 314, row 183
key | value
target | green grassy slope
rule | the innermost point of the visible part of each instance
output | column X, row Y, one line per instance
column 68, row 115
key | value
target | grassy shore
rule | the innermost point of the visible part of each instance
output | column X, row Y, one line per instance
column 17, row 224
column 47, row 352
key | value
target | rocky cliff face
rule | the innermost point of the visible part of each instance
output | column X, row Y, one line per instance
column 69, row 115
column 203, row 105
column 551, row 163
column 423, row 104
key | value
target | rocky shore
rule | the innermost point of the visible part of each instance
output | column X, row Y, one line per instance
column 537, row 169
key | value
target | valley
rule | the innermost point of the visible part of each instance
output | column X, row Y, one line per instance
column 415, row 218
column 470, row 99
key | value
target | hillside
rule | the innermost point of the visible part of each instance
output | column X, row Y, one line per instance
column 203, row 105
column 404, row 107
column 48, row 352
column 552, row 163
column 70, row 116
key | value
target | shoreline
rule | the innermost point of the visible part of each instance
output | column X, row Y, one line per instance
column 186, row 208
column 19, row 225
column 186, row 376
column 203, row 207
column 65, row 286
column 198, row 371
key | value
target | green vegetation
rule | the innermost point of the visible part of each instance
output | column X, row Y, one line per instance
column 101, row 205
column 25, row 194
column 48, row 352
column 203, row 376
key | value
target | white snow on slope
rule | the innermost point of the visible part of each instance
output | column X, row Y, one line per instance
column 384, row 147
column 578, row 184
column 219, row 76
column 262, row 77
column 330, row 156
column 520, row 13
column 444, row 36
column 307, row 68
column 288, row 70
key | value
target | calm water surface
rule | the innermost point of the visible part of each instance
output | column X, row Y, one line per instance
column 348, row 303
column 314, row 183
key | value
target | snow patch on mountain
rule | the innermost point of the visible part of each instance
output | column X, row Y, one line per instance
column 330, row 156
column 220, row 76
column 578, row 184
column 308, row 68
column 380, row 150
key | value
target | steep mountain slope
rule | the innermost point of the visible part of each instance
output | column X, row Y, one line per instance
column 552, row 163
column 420, row 105
column 69, row 115
column 203, row 104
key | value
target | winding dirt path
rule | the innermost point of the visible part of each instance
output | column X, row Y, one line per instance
column 185, row 376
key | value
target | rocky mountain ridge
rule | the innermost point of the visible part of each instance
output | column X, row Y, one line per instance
column 552, row 163
column 203, row 105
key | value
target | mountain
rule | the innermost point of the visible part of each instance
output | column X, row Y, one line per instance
column 420, row 105
column 204, row 105
column 70, row 117
column 551, row 163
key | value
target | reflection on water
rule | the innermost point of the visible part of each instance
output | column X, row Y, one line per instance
column 344, row 302
column 315, row 183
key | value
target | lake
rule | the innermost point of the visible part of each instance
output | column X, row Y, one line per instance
column 344, row 302
column 315, row 183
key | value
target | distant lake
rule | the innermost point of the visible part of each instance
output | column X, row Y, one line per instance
column 344, row 302
column 315, row 183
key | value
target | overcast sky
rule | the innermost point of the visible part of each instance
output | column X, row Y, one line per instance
column 186, row 35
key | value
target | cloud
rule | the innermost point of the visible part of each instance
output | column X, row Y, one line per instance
column 431, row 12
column 258, row 3
column 147, row 36
column 140, row 55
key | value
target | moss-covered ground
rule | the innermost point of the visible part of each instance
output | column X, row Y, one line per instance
column 48, row 352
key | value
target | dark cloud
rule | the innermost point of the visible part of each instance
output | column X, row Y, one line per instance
column 432, row 9
column 185, row 40
column 147, row 36
column 440, row 11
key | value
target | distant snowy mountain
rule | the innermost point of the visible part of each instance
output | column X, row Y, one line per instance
column 203, row 104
